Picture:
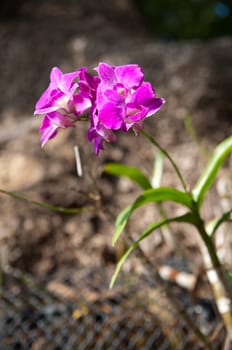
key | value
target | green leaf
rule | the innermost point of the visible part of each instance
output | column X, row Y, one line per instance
column 183, row 218
column 209, row 174
column 229, row 276
column 52, row 207
column 152, row 195
column 132, row 173
column 157, row 170
column 214, row 224
column 166, row 154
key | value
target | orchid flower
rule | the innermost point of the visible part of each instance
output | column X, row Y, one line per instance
column 67, row 97
column 117, row 98
column 124, row 100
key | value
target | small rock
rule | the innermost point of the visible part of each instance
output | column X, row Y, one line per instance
column 19, row 171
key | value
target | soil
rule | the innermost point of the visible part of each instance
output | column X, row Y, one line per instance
column 194, row 78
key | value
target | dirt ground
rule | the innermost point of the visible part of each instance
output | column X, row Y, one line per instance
column 194, row 78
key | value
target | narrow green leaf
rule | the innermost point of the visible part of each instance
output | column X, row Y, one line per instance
column 52, row 207
column 229, row 276
column 157, row 170
column 166, row 154
column 209, row 174
column 214, row 224
column 183, row 218
column 132, row 173
column 152, row 195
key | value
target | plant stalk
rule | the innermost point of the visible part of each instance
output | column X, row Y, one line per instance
column 155, row 143
column 174, row 301
column 220, row 285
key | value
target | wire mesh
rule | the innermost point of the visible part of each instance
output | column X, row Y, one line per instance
column 32, row 317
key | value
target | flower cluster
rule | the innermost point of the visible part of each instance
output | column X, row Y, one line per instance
column 116, row 98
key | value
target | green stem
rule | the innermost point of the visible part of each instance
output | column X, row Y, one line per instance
column 155, row 143
column 199, row 223
column 216, row 275
column 225, row 217
column 175, row 302
column 46, row 205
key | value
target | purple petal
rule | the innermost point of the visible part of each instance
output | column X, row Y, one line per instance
column 98, row 133
column 64, row 82
column 91, row 81
column 60, row 120
column 84, row 88
column 130, row 75
column 56, row 76
column 98, row 140
column 46, row 102
column 48, row 130
column 106, row 74
column 135, row 112
column 49, row 134
column 155, row 106
column 100, row 100
column 46, row 110
column 50, row 125
column 82, row 104
column 114, row 96
column 43, row 101
column 107, row 134
column 67, row 83
column 98, row 145
column 145, row 96
column 46, row 123
column 111, row 116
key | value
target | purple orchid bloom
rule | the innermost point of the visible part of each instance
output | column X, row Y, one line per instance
column 118, row 98
column 98, row 133
column 67, row 97
column 87, row 91
column 51, row 123
column 124, row 100
column 59, row 94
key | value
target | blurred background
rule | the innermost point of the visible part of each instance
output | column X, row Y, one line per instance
column 164, row 19
column 186, row 19
column 185, row 50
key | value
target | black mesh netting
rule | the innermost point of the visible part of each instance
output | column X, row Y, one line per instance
column 138, row 316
